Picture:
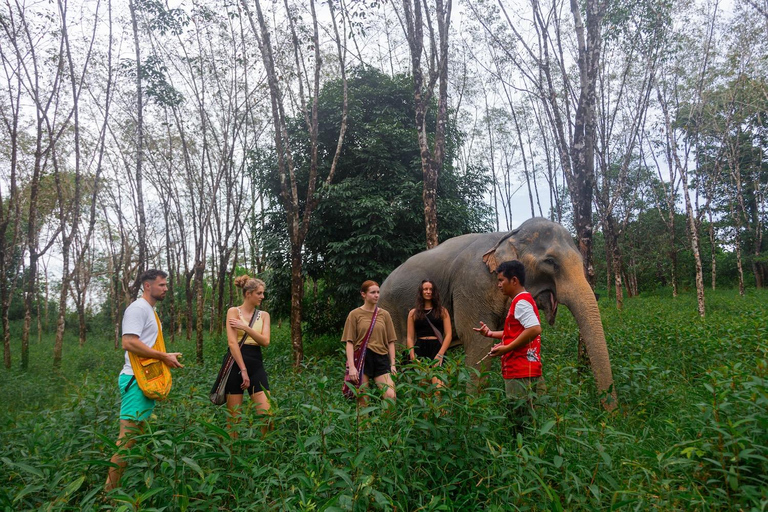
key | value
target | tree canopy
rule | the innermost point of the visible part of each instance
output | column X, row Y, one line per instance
column 371, row 217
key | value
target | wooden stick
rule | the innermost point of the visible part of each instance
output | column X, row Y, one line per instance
column 483, row 359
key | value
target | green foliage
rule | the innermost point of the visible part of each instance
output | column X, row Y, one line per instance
column 371, row 218
column 154, row 74
column 691, row 431
column 648, row 255
column 164, row 20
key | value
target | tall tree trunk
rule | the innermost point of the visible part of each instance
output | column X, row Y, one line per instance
column 608, row 267
column 634, row 279
column 10, row 213
column 82, row 326
column 673, row 158
column 74, row 207
column 713, row 245
column 116, row 308
column 200, row 292
column 673, row 252
column 739, row 214
column 31, row 290
column 39, row 322
column 172, row 273
column 582, row 147
column 214, row 292
column 758, row 266
column 739, row 264
column 613, row 243
column 190, row 301
column 431, row 158
column 737, row 226
column 693, row 233
column 142, row 232
column 231, row 280
column 58, row 345
column 298, row 222
column 223, row 260
column 297, row 295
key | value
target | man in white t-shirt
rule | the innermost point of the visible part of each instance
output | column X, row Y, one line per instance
column 140, row 331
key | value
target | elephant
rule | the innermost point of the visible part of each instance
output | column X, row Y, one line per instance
column 463, row 269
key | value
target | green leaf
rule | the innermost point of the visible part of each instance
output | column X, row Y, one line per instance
column 546, row 427
column 191, row 463
column 29, row 469
column 27, row 490
column 74, row 486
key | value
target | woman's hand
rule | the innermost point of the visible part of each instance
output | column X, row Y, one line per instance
column 246, row 379
column 237, row 324
column 439, row 360
column 393, row 369
column 353, row 376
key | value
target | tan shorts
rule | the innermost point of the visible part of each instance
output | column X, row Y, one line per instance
column 527, row 388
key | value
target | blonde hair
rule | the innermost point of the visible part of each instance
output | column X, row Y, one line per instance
column 248, row 284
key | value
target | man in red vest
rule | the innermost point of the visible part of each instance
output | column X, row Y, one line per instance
column 520, row 347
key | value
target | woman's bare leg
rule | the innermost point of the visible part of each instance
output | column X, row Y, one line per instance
column 234, row 403
column 385, row 381
column 260, row 401
column 361, row 401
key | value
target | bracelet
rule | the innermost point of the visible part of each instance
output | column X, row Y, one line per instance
column 440, row 356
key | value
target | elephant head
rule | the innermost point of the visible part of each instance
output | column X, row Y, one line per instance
column 555, row 274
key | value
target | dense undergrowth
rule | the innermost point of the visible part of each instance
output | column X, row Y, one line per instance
column 691, row 432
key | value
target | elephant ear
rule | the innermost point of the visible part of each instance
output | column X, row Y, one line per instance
column 502, row 251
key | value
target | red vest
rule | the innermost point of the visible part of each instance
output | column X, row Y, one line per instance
column 524, row 361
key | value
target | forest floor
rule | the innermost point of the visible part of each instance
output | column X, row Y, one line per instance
column 690, row 433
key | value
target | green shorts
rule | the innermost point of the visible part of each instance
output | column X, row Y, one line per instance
column 134, row 405
column 524, row 389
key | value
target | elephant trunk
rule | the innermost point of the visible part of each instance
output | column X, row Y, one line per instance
column 579, row 297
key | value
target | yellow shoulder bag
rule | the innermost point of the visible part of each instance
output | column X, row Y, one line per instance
column 152, row 375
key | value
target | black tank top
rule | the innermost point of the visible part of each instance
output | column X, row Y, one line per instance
column 423, row 330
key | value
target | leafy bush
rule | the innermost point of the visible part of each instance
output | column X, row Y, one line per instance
column 691, row 431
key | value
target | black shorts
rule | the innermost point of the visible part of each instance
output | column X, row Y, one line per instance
column 427, row 348
column 376, row 364
column 256, row 372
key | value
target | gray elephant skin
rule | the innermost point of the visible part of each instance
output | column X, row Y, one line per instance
column 463, row 268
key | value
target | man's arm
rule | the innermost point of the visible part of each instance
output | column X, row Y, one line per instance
column 487, row 332
column 132, row 344
column 522, row 340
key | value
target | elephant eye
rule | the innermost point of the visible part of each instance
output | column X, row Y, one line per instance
column 550, row 261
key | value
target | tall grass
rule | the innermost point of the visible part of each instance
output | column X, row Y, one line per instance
column 691, row 431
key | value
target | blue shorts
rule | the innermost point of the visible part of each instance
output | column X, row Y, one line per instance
column 134, row 406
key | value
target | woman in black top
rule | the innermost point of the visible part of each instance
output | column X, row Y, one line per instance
column 422, row 340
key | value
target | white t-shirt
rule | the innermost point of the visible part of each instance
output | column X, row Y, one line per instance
column 139, row 319
column 525, row 314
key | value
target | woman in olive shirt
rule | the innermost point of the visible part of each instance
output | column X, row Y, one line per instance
column 380, row 354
